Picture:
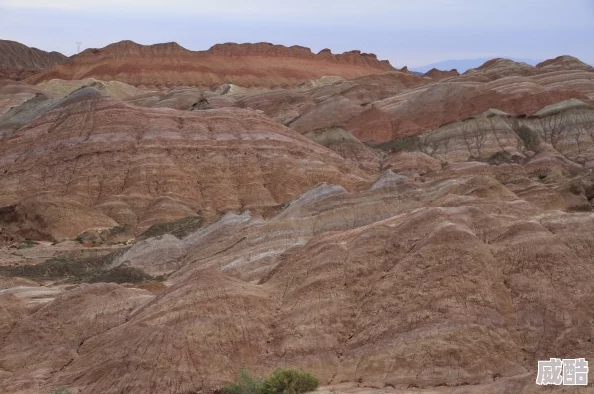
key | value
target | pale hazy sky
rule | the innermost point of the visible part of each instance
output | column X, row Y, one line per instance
column 411, row 32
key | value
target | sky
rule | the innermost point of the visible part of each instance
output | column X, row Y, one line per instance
column 406, row 32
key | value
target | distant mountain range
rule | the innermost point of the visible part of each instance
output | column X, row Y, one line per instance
column 464, row 64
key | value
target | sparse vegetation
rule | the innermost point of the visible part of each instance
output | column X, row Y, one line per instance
column 178, row 228
column 282, row 381
column 89, row 238
column 27, row 243
column 119, row 275
column 408, row 144
column 246, row 384
column 107, row 236
column 79, row 270
column 290, row 381
column 501, row 156
column 530, row 138
column 117, row 230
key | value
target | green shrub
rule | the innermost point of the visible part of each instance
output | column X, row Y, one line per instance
column 27, row 243
column 290, row 381
column 92, row 269
column 246, row 384
column 119, row 275
column 407, row 144
column 117, row 230
column 62, row 391
column 282, row 381
column 178, row 228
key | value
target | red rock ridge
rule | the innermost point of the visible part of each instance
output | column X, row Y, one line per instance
column 169, row 64
column 272, row 50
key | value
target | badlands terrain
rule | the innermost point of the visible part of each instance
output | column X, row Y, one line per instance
column 169, row 217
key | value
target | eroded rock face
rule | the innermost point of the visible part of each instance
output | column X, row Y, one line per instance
column 433, row 105
column 566, row 128
column 450, row 276
column 448, row 262
column 47, row 216
column 166, row 65
column 79, row 315
column 138, row 165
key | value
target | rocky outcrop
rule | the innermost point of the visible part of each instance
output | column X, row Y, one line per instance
column 441, row 74
column 18, row 61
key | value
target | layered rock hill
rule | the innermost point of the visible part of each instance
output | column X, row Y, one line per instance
column 169, row 64
column 18, row 61
column 373, row 102
column 102, row 161
column 455, row 276
column 448, row 259
column 381, row 107
column 566, row 129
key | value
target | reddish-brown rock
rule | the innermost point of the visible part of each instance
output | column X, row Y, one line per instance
column 141, row 165
column 165, row 65
column 450, row 262
column 450, row 276
column 380, row 107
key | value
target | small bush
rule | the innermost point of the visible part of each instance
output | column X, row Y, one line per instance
column 117, row 230
column 119, row 275
column 246, row 384
column 290, row 381
column 62, row 391
column 89, row 238
column 282, row 381
column 26, row 244
column 178, row 228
